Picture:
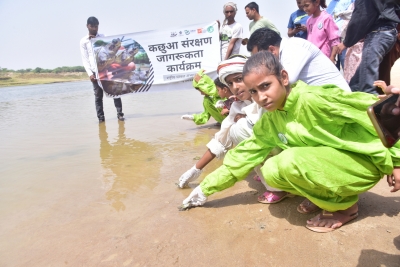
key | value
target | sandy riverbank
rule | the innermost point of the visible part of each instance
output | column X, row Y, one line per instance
column 20, row 79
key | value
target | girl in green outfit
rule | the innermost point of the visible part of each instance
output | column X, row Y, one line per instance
column 331, row 152
column 205, row 85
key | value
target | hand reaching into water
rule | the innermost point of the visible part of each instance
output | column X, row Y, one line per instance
column 195, row 199
column 190, row 175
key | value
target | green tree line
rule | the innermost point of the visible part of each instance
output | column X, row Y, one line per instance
column 41, row 70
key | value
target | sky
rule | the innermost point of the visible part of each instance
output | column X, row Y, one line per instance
column 46, row 33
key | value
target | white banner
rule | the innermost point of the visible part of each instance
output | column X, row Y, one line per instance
column 156, row 60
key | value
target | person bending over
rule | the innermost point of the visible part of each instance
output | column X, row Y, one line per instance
column 205, row 85
column 230, row 73
column 300, row 58
column 331, row 152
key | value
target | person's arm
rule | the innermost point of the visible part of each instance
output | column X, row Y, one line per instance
column 291, row 28
column 217, row 147
column 236, row 37
column 205, row 159
column 292, row 32
column 364, row 16
column 85, row 59
column 238, row 163
column 333, row 38
column 230, row 47
column 203, row 117
column 333, row 53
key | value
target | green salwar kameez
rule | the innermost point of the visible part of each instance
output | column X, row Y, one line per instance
column 207, row 86
column 331, row 150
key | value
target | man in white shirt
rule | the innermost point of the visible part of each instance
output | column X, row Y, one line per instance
column 90, row 67
column 300, row 58
column 231, row 32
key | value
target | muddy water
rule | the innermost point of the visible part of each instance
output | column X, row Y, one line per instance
column 76, row 193
column 60, row 169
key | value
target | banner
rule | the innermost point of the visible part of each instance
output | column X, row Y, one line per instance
column 156, row 60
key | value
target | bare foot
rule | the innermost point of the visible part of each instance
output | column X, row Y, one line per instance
column 307, row 207
column 329, row 221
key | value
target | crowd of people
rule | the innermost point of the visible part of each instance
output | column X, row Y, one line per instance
column 295, row 120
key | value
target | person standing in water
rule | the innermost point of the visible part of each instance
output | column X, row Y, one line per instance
column 91, row 68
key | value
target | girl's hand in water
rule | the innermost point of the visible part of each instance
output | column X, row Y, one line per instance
column 394, row 180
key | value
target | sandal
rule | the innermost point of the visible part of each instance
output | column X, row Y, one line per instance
column 271, row 198
column 329, row 215
column 307, row 207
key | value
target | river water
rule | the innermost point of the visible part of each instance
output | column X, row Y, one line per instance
column 60, row 168
column 77, row 193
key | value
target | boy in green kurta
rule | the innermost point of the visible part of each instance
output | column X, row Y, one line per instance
column 206, row 86
column 331, row 152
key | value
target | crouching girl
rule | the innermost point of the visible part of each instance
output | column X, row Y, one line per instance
column 331, row 152
column 205, row 85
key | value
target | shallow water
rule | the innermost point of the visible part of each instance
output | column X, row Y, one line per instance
column 77, row 193
column 56, row 159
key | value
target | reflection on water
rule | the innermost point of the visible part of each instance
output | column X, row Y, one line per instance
column 67, row 180
column 128, row 164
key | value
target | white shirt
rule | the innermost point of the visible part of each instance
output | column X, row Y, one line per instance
column 304, row 61
column 234, row 30
column 87, row 55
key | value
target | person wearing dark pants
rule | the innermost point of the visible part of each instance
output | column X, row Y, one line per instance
column 376, row 45
column 98, row 93
column 389, row 60
column 90, row 67
column 376, row 21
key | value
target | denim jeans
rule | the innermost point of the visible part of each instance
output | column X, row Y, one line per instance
column 376, row 45
column 340, row 59
column 98, row 93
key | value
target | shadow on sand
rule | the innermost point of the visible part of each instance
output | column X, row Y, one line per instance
column 370, row 205
column 378, row 258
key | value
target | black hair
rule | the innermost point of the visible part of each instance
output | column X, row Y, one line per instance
column 263, row 38
column 252, row 5
column 219, row 84
column 237, row 55
column 92, row 21
column 266, row 59
column 322, row 3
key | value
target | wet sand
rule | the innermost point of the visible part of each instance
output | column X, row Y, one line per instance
column 76, row 193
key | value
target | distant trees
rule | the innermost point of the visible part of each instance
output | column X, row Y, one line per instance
column 41, row 70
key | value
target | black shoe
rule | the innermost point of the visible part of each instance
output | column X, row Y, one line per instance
column 101, row 119
column 121, row 117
